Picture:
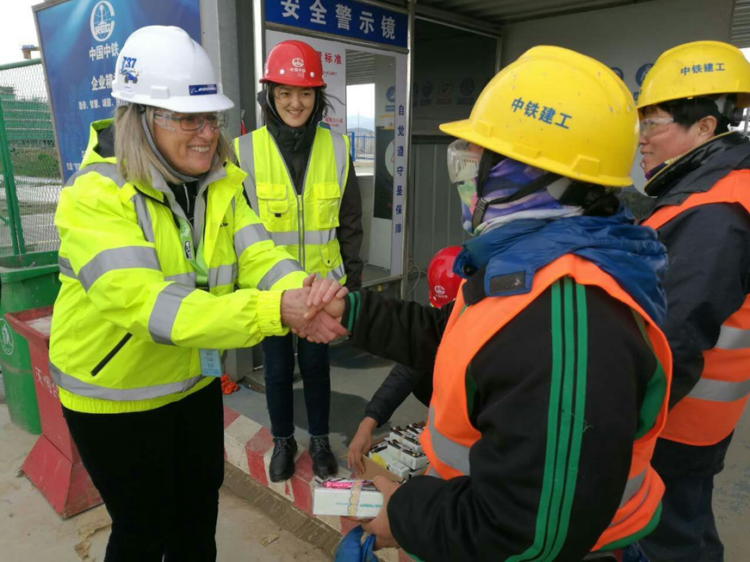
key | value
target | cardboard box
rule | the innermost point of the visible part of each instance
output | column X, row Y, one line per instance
column 356, row 498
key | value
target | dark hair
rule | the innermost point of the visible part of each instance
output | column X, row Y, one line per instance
column 687, row 112
column 322, row 104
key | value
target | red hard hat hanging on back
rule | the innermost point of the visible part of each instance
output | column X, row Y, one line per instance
column 443, row 283
column 294, row 63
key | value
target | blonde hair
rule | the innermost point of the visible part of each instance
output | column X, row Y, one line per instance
column 134, row 154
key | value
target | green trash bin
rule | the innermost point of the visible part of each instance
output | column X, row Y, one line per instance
column 26, row 281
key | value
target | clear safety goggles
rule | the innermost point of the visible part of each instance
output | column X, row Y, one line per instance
column 654, row 125
column 463, row 160
column 190, row 122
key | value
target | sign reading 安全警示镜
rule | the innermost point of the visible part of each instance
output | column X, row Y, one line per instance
column 80, row 42
column 346, row 18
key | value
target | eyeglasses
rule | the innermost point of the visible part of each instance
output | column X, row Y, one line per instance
column 654, row 125
column 463, row 160
column 190, row 122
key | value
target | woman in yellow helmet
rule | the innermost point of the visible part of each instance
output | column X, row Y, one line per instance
column 699, row 172
column 550, row 370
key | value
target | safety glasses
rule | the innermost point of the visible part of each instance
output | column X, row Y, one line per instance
column 190, row 122
column 654, row 125
column 463, row 160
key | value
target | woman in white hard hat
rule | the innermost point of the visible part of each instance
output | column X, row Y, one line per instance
column 302, row 185
column 155, row 236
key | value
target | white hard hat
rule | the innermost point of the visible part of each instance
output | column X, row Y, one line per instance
column 163, row 67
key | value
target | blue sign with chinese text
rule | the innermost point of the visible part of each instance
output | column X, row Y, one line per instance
column 80, row 42
column 346, row 18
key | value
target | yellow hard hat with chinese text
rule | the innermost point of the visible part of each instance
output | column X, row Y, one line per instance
column 560, row 111
column 701, row 68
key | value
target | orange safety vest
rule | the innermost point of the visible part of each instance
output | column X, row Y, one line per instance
column 710, row 412
column 450, row 435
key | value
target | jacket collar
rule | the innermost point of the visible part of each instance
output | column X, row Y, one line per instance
column 698, row 170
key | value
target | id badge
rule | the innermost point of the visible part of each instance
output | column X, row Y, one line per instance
column 210, row 362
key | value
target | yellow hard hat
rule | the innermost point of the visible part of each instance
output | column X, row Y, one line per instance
column 701, row 68
column 560, row 111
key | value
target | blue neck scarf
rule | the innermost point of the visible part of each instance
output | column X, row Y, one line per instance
column 631, row 254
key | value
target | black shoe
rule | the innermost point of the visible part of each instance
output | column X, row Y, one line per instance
column 323, row 461
column 282, row 459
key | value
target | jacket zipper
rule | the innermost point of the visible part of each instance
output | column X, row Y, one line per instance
column 103, row 363
column 301, row 211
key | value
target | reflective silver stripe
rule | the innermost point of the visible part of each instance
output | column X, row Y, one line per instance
column 222, row 275
column 127, row 257
column 279, row 270
column 105, row 169
column 631, row 488
column 165, row 311
column 720, row 391
column 320, row 236
column 144, row 217
column 285, row 238
column 733, row 338
column 65, row 267
column 337, row 274
column 187, row 279
column 341, row 158
column 247, row 163
column 80, row 388
column 249, row 235
column 448, row 451
column 632, row 511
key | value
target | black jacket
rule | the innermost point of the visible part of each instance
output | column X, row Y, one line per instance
column 295, row 146
column 709, row 255
column 499, row 512
column 396, row 387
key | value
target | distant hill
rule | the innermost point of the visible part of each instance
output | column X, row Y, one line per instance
column 360, row 131
column 364, row 123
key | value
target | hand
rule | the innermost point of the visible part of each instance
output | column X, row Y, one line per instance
column 323, row 291
column 380, row 526
column 321, row 328
column 360, row 445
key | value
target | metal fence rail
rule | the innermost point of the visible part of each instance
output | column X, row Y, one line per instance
column 30, row 181
column 361, row 146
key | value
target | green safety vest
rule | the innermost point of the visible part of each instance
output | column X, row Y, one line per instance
column 303, row 225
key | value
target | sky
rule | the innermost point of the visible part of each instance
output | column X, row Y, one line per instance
column 359, row 100
column 16, row 28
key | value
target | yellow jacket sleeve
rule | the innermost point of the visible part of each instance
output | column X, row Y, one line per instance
column 120, row 273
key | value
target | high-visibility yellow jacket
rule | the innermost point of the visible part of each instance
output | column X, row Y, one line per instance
column 129, row 320
column 303, row 225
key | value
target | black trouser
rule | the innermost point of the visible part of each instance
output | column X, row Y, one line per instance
column 159, row 474
column 687, row 530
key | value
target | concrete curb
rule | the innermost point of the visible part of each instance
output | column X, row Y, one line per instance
column 247, row 450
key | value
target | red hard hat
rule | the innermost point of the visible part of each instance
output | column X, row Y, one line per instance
column 443, row 283
column 294, row 63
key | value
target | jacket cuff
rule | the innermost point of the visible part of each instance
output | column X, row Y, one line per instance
column 290, row 281
column 269, row 313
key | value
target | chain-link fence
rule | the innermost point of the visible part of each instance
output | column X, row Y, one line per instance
column 30, row 181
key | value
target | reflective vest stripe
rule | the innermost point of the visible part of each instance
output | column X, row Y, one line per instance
column 247, row 161
column 76, row 386
column 631, row 489
column 448, row 451
column 182, row 278
column 165, row 311
column 279, row 270
column 106, row 169
column 222, row 275
column 720, row 391
column 733, row 338
column 341, row 157
column 65, row 267
column 249, row 235
column 127, row 257
column 144, row 217
column 311, row 237
column 338, row 273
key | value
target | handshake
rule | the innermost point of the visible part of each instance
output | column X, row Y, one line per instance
column 314, row 312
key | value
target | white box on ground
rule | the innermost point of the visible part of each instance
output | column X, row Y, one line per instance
column 351, row 498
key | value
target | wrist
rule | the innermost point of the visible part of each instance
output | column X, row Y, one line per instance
column 369, row 423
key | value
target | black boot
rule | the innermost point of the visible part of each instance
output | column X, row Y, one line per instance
column 324, row 463
column 282, row 459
